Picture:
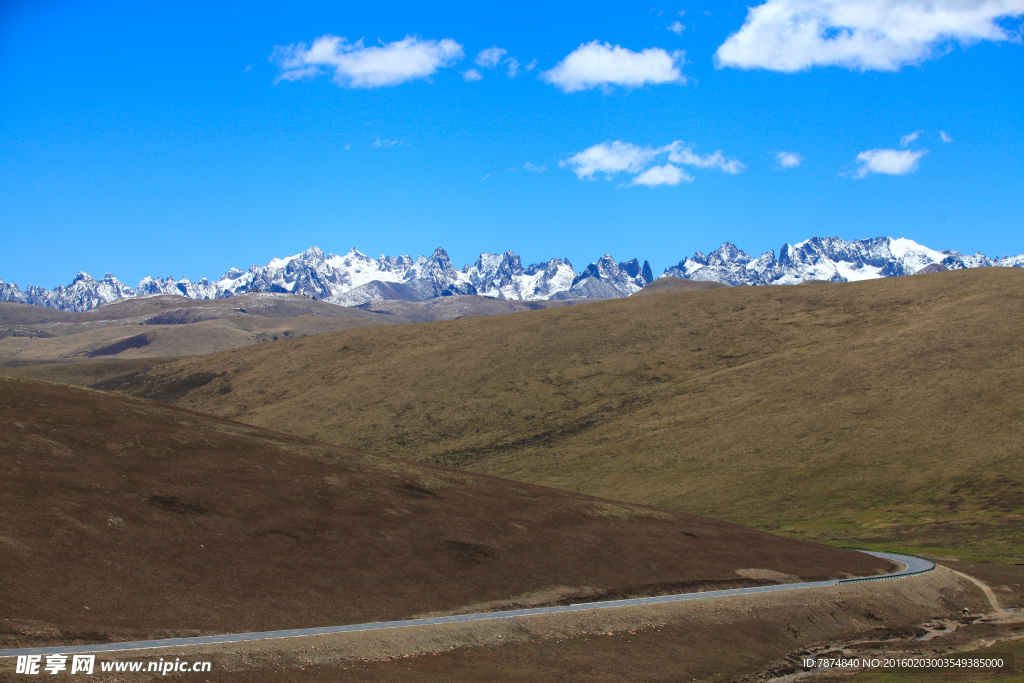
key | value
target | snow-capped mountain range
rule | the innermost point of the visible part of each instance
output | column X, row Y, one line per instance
column 827, row 258
column 356, row 279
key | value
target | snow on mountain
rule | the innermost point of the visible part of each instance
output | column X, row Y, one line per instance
column 83, row 293
column 826, row 258
column 193, row 290
column 356, row 279
column 503, row 277
column 11, row 292
column 377, row 290
column 607, row 279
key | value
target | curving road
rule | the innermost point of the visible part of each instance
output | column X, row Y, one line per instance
column 913, row 565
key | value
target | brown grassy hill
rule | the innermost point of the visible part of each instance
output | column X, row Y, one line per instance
column 176, row 339
column 167, row 325
column 664, row 285
column 165, row 309
column 121, row 518
column 453, row 307
column 879, row 411
column 81, row 373
column 178, row 326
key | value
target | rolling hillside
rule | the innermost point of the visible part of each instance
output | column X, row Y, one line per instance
column 169, row 521
column 168, row 326
column 886, row 412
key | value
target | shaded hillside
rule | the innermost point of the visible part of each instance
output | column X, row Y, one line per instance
column 121, row 518
column 887, row 410
column 82, row 373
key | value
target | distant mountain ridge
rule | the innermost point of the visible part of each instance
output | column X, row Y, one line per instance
column 356, row 279
column 827, row 258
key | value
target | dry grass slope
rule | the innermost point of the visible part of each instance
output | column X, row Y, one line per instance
column 665, row 285
column 887, row 411
column 176, row 339
column 165, row 325
column 123, row 518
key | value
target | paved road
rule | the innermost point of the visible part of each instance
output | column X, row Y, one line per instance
column 914, row 565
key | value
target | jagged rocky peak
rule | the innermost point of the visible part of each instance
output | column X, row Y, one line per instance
column 355, row 278
column 494, row 271
column 437, row 266
column 506, row 262
column 441, row 259
column 394, row 263
column 608, row 279
column 639, row 274
column 827, row 258
column 313, row 254
column 728, row 253
column 554, row 263
column 11, row 292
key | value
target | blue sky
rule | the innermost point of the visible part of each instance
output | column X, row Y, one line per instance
column 179, row 139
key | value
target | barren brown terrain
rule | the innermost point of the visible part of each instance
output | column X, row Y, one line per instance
column 80, row 373
column 886, row 412
column 165, row 309
column 462, row 306
column 123, row 518
column 167, row 326
column 174, row 326
column 186, row 339
column 664, row 285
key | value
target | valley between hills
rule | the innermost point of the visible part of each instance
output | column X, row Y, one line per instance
column 887, row 412
column 419, row 458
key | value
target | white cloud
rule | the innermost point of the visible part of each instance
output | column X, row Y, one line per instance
column 680, row 153
column 248, row 69
column 490, row 57
column 493, row 56
column 357, row 66
column 677, row 28
column 945, row 136
column 662, row 175
column 868, row 35
column 598, row 64
column 536, row 169
column 786, row 160
column 471, row 75
column 380, row 142
column 610, row 158
column 907, row 139
column 485, row 177
column 887, row 161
